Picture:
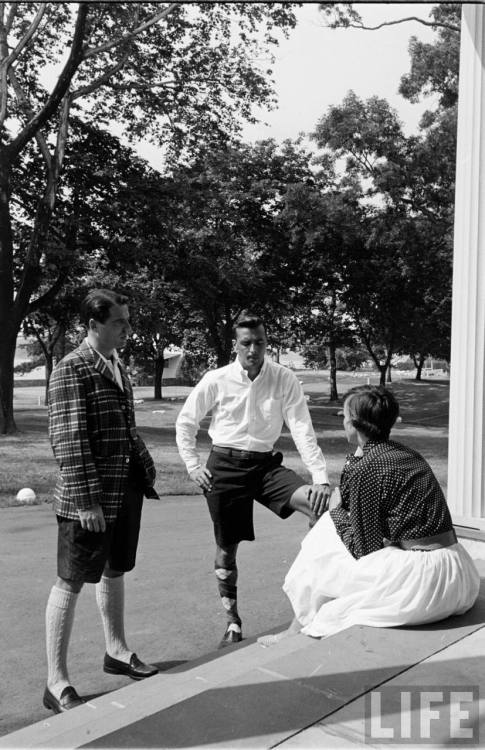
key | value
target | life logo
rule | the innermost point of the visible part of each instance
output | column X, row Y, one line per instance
column 446, row 716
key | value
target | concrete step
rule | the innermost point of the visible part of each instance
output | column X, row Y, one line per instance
column 248, row 696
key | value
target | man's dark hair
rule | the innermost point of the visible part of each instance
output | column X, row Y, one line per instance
column 373, row 410
column 248, row 319
column 98, row 303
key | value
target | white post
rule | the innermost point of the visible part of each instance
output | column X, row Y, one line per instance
column 466, row 448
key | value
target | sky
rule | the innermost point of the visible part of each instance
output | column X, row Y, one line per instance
column 316, row 67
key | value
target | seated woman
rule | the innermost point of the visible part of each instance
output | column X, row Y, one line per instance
column 385, row 554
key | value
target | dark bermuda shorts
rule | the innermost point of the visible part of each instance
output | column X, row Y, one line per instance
column 237, row 482
column 82, row 554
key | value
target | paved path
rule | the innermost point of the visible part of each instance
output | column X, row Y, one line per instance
column 172, row 608
column 302, row 693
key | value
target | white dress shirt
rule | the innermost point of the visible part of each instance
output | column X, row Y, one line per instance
column 249, row 415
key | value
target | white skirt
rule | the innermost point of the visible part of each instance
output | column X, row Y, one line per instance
column 330, row 590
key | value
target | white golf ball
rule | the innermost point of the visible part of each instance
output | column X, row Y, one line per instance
column 26, row 496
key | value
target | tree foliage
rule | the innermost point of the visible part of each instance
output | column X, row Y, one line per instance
column 175, row 73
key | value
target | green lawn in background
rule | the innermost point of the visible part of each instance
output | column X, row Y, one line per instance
column 26, row 459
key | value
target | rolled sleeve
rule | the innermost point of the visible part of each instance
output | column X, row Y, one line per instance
column 297, row 417
column 196, row 406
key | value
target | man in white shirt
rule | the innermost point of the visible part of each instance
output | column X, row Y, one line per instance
column 250, row 399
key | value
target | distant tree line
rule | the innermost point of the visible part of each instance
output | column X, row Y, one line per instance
column 353, row 259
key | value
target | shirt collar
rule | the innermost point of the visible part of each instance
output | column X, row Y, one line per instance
column 243, row 373
column 110, row 362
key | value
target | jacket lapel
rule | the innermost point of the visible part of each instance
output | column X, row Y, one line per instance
column 124, row 377
column 93, row 357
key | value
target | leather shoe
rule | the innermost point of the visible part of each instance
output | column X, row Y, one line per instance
column 136, row 669
column 230, row 637
column 69, row 699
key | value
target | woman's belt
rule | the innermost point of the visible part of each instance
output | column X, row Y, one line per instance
column 446, row 539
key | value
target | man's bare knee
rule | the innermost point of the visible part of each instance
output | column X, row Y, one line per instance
column 67, row 585
column 110, row 573
column 299, row 501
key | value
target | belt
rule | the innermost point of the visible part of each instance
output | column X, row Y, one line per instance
column 426, row 543
column 252, row 455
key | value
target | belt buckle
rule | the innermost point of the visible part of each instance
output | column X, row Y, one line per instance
column 245, row 454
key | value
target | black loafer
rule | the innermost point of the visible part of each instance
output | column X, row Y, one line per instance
column 230, row 637
column 135, row 669
column 69, row 699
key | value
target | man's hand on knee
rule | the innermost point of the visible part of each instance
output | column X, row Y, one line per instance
column 318, row 497
column 92, row 518
column 202, row 478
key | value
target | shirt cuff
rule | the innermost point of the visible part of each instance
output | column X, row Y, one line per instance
column 193, row 465
column 320, row 477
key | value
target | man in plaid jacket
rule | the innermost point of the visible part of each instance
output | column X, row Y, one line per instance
column 105, row 470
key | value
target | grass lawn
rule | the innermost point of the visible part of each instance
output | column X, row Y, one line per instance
column 27, row 460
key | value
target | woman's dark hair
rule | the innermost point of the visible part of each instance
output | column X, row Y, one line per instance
column 98, row 303
column 248, row 319
column 373, row 410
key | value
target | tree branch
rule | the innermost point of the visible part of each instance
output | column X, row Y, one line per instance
column 11, row 16
column 433, row 24
column 3, row 70
column 62, row 137
column 60, row 89
column 132, row 86
column 26, row 106
column 27, row 36
column 104, row 78
column 3, row 94
column 33, row 329
column 51, row 294
column 126, row 37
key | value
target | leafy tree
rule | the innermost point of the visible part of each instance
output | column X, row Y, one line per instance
column 175, row 73
column 410, row 212
column 315, row 355
column 156, row 314
column 55, row 328
column 198, row 357
column 232, row 247
column 323, row 221
column 435, row 67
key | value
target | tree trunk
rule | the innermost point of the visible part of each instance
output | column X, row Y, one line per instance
column 383, row 371
column 7, row 357
column 49, row 366
column 222, row 344
column 8, row 335
column 418, row 363
column 332, row 356
column 389, row 374
column 157, row 383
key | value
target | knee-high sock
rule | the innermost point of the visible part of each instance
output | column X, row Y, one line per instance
column 110, row 598
column 227, row 583
column 59, row 617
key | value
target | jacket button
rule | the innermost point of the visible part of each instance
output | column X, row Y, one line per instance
column 127, row 460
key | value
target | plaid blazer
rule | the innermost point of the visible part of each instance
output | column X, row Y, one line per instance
column 93, row 434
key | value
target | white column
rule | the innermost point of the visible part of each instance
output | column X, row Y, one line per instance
column 466, row 449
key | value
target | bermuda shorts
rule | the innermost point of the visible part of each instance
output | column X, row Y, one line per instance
column 237, row 482
column 82, row 554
